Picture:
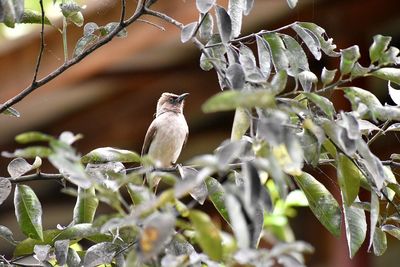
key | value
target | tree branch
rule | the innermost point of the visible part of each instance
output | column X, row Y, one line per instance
column 39, row 59
column 36, row 177
column 68, row 64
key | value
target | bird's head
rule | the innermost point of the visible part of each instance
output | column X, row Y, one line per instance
column 171, row 102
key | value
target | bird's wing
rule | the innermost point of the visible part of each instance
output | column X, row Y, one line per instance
column 186, row 138
column 151, row 132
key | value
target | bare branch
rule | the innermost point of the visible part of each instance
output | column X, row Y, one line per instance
column 39, row 59
column 152, row 24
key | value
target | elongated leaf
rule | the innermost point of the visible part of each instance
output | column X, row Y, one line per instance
column 239, row 225
column 73, row 259
column 278, row 82
column 296, row 55
column 322, row 203
column 310, row 39
column 277, row 48
column 241, row 124
column 61, row 251
column 236, row 76
column 349, row 179
column 29, row 152
column 188, row 31
column 206, row 27
column 392, row 230
column 327, row 76
column 389, row 74
column 207, row 235
column 5, row 189
column 30, row 137
column 204, row 5
column 235, row 11
column 374, row 219
column 378, row 47
column 109, row 154
column 28, row 211
column 230, row 100
column 264, row 56
column 86, row 205
column 102, row 253
column 7, row 235
column 33, row 17
column 216, row 193
column 349, row 57
column 356, row 228
column 379, row 242
column 323, row 103
column 83, row 43
column 224, row 24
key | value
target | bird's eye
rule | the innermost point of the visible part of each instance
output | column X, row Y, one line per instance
column 171, row 100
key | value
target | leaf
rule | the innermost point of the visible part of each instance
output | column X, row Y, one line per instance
column 349, row 179
column 321, row 202
column 359, row 71
column 204, row 5
column 390, row 57
column 188, row 31
column 378, row 47
column 248, row 62
column 296, row 198
column 264, row 56
column 310, row 39
column 72, row 12
column 248, row 7
column 327, row 76
column 323, row 103
column 224, row 24
column 207, row 235
column 86, row 205
column 61, row 251
column 11, row 112
column 206, row 27
column 292, row 3
column 307, row 80
column 278, row 82
column 358, row 95
column 83, row 43
column 33, row 17
column 389, row 74
column 238, row 221
column 11, row 12
column 296, row 55
column 394, row 94
column 356, row 228
column 28, row 211
column 110, row 154
column 110, row 27
column 241, row 123
column 77, row 231
column 216, row 193
column 19, row 166
column 236, row 76
column 392, row 230
column 230, row 100
column 31, row 137
column 349, row 57
column 90, row 28
column 102, row 253
column 235, row 11
column 41, row 252
column 5, row 189
column 7, row 235
column 29, row 152
column 73, row 259
column 373, row 218
column 277, row 48
column 379, row 242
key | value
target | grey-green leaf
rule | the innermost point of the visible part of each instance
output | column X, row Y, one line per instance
column 206, row 27
column 28, row 211
column 236, row 76
column 7, row 235
column 307, row 80
column 356, row 228
column 204, row 5
column 310, row 39
column 86, row 205
column 389, row 74
column 349, row 57
column 378, row 47
column 235, row 11
column 321, row 202
column 101, row 253
column 33, row 17
column 216, row 193
column 188, row 31
column 264, row 56
column 327, row 76
column 83, row 43
column 323, row 103
column 292, row 3
column 61, row 251
column 110, row 154
column 19, row 166
column 224, row 24
column 278, row 51
column 379, row 242
column 5, row 189
column 296, row 55
column 349, row 179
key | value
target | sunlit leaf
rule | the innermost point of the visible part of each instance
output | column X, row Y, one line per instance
column 378, row 47
column 235, row 11
column 86, row 205
column 19, row 166
column 241, row 124
column 307, row 80
column 356, row 228
column 394, row 94
column 277, row 48
column 109, row 154
column 28, row 211
column 321, row 202
column 390, row 74
column 207, row 234
column 349, row 57
column 310, row 39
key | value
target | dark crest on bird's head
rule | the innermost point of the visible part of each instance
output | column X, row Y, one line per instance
column 170, row 102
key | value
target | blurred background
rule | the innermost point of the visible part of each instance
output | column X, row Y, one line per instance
column 110, row 97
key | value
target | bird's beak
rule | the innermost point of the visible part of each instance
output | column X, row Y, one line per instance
column 180, row 98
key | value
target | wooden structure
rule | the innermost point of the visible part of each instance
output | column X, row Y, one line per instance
column 110, row 97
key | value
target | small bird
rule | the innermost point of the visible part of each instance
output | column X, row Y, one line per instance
column 168, row 132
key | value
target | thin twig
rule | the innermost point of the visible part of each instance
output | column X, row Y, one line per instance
column 123, row 11
column 39, row 59
column 379, row 133
column 152, row 24
column 69, row 63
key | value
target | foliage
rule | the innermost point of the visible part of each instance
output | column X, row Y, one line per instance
column 284, row 121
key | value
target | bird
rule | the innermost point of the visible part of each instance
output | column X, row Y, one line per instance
column 167, row 133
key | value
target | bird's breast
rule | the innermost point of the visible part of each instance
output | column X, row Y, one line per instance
column 169, row 138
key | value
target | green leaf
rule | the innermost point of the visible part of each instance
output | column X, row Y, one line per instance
column 389, row 74
column 28, row 211
column 207, row 234
column 327, row 76
column 83, row 43
column 278, row 51
column 216, row 193
column 31, row 137
column 7, row 235
column 296, row 55
column 349, row 179
column 86, row 205
column 322, row 102
column 11, row 112
column 379, row 242
column 356, row 228
column 230, row 100
column 349, row 57
column 241, row 124
column 322, row 203
column 378, row 47
column 296, row 198
column 29, row 152
column 110, row 154
column 34, row 17
column 26, row 246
